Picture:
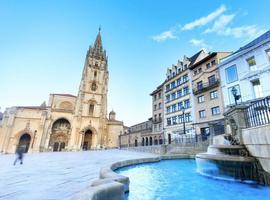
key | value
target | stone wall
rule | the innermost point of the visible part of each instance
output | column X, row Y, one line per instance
column 257, row 141
column 171, row 149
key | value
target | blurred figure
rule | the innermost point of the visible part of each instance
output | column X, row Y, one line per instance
column 19, row 156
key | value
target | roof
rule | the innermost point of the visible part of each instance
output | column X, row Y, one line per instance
column 193, row 58
column 259, row 39
column 251, row 45
column 159, row 88
column 32, row 107
column 67, row 95
column 211, row 55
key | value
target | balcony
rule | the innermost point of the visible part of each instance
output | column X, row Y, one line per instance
column 205, row 86
column 157, row 120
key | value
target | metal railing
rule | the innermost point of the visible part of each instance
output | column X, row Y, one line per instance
column 205, row 86
column 258, row 113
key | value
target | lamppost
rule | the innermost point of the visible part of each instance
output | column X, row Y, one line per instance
column 184, row 123
column 235, row 95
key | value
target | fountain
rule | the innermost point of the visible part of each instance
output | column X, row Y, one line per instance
column 232, row 161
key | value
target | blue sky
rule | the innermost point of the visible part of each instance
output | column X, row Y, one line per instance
column 43, row 44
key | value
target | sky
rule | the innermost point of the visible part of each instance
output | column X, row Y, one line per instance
column 43, row 44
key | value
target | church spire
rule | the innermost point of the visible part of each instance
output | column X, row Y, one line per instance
column 97, row 50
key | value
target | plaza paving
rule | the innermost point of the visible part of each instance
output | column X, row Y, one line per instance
column 60, row 175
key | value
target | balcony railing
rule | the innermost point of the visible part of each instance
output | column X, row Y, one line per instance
column 205, row 86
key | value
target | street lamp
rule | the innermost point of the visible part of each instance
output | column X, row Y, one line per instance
column 235, row 95
column 183, row 113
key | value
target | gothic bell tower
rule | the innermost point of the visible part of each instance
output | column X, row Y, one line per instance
column 91, row 105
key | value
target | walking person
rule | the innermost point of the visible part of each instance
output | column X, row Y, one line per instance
column 19, row 156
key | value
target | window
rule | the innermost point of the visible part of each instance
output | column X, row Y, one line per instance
column 180, row 118
column 179, row 93
column 201, row 99
column 213, row 62
column 173, row 74
column 173, row 84
column 155, row 107
column 168, row 109
column 214, row 94
column 231, row 74
column 267, row 51
column 169, row 122
column 155, row 117
column 208, row 65
column 195, row 72
column 180, row 105
column 95, row 74
column 257, row 88
column 174, row 120
column 178, row 81
column 212, row 80
column 173, row 107
column 185, row 78
column 215, row 110
column 200, row 70
column 168, row 87
column 251, row 63
column 91, row 109
column 168, row 98
column 186, row 90
column 187, row 103
column 173, row 96
column 231, row 98
column 159, row 116
column 155, row 97
column 159, row 95
column 188, row 117
column 199, row 85
column 202, row 113
column 159, row 105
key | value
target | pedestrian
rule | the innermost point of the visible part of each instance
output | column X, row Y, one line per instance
column 19, row 155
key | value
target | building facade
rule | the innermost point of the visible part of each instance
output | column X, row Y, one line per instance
column 208, row 103
column 68, row 122
column 138, row 135
column 247, row 71
column 178, row 98
column 158, row 113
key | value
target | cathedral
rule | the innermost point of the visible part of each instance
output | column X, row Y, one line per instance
column 68, row 122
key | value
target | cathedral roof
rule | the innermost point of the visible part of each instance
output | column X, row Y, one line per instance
column 67, row 95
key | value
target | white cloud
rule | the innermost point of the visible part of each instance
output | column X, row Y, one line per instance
column 250, row 31
column 200, row 43
column 205, row 20
column 164, row 36
column 220, row 23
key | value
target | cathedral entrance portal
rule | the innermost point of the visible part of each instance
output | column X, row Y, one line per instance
column 60, row 135
column 24, row 142
column 87, row 141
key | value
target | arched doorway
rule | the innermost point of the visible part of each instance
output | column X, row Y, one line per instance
column 60, row 134
column 142, row 141
column 151, row 141
column 87, row 141
column 24, row 142
column 160, row 140
column 155, row 140
column 146, row 141
column 136, row 142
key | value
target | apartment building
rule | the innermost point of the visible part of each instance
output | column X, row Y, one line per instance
column 157, row 114
column 208, row 99
column 178, row 100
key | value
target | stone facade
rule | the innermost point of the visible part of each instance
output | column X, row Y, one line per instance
column 208, row 104
column 68, row 122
